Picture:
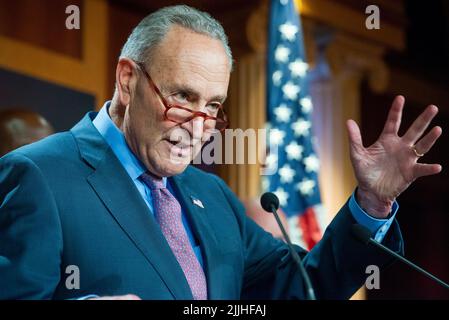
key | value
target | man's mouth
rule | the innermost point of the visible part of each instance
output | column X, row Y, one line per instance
column 179, row 149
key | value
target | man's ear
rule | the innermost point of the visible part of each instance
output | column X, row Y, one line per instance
column 126, row 79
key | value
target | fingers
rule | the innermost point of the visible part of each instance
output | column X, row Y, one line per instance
column 355, row 138
column 423, row 146
column 394, row 116
column 420, row 125
column 424, row 169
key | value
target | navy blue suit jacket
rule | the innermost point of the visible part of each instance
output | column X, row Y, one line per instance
column 67, row 200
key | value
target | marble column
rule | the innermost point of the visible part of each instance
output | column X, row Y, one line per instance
column 246, row 103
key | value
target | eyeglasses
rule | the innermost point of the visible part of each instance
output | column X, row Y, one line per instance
column 182, row 114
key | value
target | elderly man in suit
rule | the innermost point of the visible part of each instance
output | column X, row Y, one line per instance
column 116, row 198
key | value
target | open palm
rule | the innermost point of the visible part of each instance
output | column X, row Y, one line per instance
column 387, row 167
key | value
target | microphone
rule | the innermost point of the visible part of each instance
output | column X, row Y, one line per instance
column 270, row 203
column 364, row 235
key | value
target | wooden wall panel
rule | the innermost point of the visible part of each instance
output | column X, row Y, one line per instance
column 122, row 20
column 41, row 23
column 85, row 73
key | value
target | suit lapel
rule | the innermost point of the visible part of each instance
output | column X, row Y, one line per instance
column 197, row 217
column 118, row 193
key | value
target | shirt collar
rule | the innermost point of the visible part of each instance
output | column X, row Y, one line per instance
column 116, row 140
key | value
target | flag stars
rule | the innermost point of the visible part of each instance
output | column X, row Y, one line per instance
column 306, row 104
column 312, row 163
column 277, row 136
column 277, row 78
column 291, row 166
column 286, row 174
column 281, row 53
column 294, row 151
column 298, row 68
column 288, row 31
column 291, row 90
column 301, row 127
column 282, row 196
column 306, row 186
column 283, row 113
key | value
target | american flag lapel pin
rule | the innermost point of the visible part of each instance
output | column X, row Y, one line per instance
column 197, row 202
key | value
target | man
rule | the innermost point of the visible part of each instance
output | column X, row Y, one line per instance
column 114, row 198
column 21, row 127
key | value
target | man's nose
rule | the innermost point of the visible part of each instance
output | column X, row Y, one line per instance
column 195, row 127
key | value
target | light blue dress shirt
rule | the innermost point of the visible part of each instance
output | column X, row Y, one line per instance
column 378, row 227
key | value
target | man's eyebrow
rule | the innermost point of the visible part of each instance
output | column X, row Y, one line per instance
column 194, row 93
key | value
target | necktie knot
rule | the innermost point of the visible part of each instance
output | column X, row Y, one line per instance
column 154, row 183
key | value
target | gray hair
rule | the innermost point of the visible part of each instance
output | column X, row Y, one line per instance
column 153, row 28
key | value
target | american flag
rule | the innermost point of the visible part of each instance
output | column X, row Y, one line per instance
column 289, row 108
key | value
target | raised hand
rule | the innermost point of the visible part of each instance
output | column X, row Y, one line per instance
column 387, row 167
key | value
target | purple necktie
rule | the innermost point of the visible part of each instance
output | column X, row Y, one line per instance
column 167, row 211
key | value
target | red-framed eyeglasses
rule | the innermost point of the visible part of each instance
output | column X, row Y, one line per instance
column 180, row 114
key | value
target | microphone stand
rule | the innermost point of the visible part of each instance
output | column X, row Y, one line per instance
column 407, row 262
column 310, row 292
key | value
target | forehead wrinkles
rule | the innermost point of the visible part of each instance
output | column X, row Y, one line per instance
column 207, row 65
column 194, row 72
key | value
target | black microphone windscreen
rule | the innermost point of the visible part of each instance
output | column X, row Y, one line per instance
column 268, row 200
column 361, row 233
